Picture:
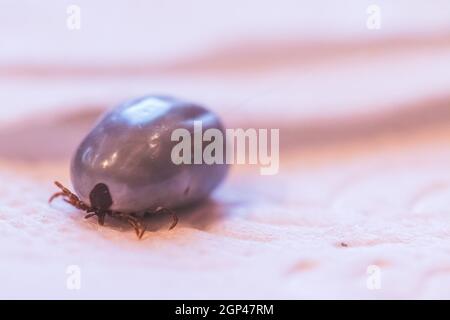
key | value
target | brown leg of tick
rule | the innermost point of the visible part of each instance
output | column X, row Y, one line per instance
column 131, row 220
column 100, row 216
column 90, row 215
column 56, row 195
column 167, row 211
column 140, row 230
column 70, row 198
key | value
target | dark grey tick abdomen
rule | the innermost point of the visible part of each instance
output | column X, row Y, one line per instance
column 129, row 151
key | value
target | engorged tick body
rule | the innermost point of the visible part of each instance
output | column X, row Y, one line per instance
column 124, row 167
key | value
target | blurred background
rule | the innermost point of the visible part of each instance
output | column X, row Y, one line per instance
column 360, row 91
column 321, row 70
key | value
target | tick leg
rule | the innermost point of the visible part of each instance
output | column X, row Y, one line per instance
column 56, row 195
column 133, row 221
column 70, row 198
column 90, row 215
column 171, row 213
column 140, row 230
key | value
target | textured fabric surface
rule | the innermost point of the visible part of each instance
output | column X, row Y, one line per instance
column 311, row 231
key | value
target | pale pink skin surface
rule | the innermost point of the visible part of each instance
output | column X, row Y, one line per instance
column 364, row 177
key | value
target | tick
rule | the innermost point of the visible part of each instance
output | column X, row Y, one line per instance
column 123, row 168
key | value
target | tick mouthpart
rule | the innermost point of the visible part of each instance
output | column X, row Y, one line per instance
column 100, row 197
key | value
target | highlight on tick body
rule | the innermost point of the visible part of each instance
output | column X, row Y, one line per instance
column 191, row 150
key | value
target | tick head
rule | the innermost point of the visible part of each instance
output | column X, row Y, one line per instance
column 100, row 197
